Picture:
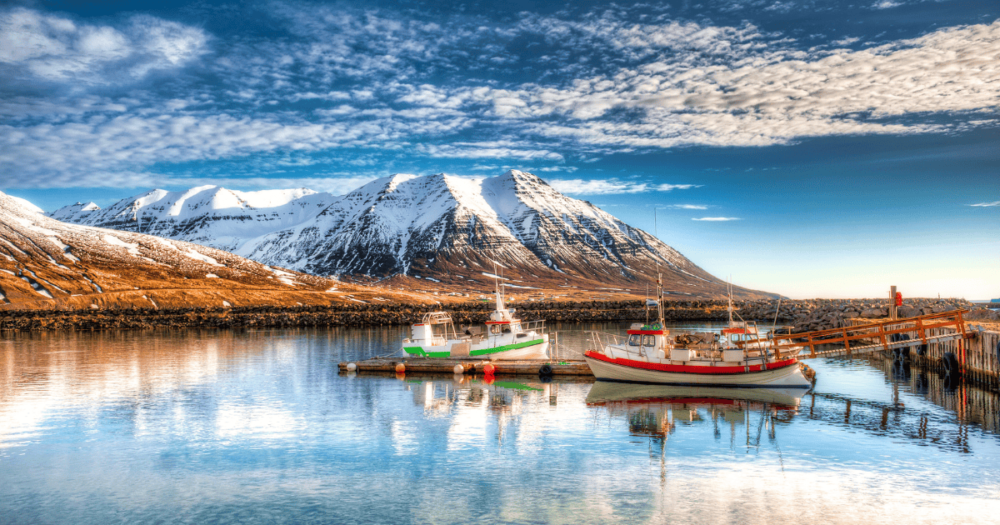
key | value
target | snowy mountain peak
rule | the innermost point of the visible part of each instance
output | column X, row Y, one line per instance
column 438, row 226
column 72, row 212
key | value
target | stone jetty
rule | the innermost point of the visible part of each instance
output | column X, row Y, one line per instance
column 804, row 315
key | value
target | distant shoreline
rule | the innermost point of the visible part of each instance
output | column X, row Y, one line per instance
column 804, row 314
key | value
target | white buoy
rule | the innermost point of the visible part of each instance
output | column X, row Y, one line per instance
column 351, row 367
column 459, row 369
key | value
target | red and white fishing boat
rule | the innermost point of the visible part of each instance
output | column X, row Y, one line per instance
column 737, row 357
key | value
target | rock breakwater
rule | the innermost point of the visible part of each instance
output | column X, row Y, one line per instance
column 804, row 315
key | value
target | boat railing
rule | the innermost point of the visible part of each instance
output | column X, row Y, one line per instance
column 537, row 326
column 601, row 340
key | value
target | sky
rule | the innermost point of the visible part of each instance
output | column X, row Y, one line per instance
column 809, row 148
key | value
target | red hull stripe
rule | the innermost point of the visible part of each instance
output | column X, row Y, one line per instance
column 690, row 369
column 645, row 332
column 497, row 322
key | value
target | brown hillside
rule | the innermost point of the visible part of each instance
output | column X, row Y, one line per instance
column 46, row 264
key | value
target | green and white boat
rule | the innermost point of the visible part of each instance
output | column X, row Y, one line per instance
column 505, row 337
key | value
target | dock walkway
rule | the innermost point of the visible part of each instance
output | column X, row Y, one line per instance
column 469, row 366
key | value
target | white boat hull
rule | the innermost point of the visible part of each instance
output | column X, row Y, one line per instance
column 786, row 376
column 536, row 347
column 538, row 351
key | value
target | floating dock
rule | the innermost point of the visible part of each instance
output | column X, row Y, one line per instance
column 535, row 367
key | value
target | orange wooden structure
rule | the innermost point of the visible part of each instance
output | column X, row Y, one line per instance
column 858, row 338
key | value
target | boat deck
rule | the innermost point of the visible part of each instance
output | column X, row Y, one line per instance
column 562, row 367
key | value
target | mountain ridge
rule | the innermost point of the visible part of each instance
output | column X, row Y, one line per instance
column 448, row 229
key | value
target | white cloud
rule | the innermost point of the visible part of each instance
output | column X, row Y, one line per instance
column 716, row 219
column 128, row 142
column 56, row 48
column 986, row 204
column 845, row 41
column 609, row 186
column 638, row 40
column 688, row 206
column 488, row 149
column 773, row 99
column 331, row 96
column 886, row 4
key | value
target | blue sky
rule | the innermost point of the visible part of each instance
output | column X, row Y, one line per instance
column 808, row 148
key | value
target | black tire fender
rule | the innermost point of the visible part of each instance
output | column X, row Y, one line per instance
column 950, row 363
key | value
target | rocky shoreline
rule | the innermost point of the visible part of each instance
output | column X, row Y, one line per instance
column 804, row 315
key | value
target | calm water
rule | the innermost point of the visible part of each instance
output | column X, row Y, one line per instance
column 210, row 427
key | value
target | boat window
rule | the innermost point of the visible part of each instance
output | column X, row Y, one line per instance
column 494, row 329
column 633, row 340
column 648, row 340
column 516, row 327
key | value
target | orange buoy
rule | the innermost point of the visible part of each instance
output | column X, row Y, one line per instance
column 489, row 369
column 400, row 368
column 489, row 379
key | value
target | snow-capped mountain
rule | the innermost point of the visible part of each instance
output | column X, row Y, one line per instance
column 75, row 212
column 207, row 215
column 437, row 227
column 46, row 263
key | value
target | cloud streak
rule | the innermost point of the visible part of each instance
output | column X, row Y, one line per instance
column 716, row 219
column 610, row 186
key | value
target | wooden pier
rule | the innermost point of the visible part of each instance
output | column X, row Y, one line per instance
column 939, row 340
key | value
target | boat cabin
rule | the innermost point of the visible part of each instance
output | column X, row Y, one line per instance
column 434, row 328
column 740, row 332
column 650, row 338
column 503, row 321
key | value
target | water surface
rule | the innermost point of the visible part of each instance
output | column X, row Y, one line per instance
column 259, row 426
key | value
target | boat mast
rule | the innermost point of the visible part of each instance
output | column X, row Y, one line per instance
column 499, row 289
column 659, row 284
column 659, row 299
column 729, row 287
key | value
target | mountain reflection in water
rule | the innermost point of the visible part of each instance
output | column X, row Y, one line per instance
column 221, row 426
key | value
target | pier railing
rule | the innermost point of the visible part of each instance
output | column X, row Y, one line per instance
column 859, row 338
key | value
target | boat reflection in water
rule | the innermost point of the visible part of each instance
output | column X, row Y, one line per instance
column 655, row 410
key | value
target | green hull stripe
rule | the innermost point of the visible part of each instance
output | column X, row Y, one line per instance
column 418, row 351
column 498, row 349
